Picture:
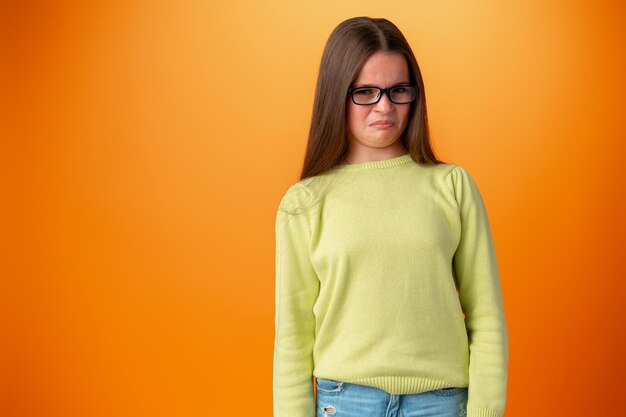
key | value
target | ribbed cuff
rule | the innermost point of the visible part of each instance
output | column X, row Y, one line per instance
column 474, row 411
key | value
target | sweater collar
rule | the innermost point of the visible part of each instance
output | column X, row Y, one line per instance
column 385, row 163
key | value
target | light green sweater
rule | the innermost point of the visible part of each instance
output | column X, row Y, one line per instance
column 386, row 276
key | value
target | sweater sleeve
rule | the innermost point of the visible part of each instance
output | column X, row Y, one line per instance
column 297, row 288
column 477, row 275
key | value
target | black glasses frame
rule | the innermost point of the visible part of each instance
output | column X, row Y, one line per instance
column 382, row 91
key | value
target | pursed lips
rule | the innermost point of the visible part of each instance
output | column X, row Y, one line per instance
column 382, row 123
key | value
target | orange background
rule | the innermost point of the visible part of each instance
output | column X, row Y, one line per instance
column 145, row 148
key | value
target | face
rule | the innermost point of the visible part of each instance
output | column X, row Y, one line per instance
column 364, row 124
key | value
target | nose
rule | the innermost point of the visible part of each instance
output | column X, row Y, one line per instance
column 384, row 104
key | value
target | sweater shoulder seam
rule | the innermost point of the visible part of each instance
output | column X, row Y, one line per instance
column 297, row 199
column 450, row 182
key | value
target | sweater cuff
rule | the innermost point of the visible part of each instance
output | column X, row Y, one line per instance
column 474, row 411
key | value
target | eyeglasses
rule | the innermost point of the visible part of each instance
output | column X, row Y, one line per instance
column 364, row 96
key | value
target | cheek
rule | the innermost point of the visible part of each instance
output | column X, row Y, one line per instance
column 405, row 114
column 356, row 115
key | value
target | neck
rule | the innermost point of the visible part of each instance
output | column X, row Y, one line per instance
column 361, row 154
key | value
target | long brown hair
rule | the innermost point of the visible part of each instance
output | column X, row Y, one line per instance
column 350, row 44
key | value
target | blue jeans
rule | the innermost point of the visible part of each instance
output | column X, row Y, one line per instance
column 343, row 399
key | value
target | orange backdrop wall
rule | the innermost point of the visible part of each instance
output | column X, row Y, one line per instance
column 145, row 147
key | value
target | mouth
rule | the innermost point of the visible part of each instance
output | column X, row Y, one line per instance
column 382, row 124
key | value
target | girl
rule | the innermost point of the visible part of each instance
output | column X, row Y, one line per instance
column 387, row 284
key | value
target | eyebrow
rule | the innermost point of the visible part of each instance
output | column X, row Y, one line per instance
column 372, row 85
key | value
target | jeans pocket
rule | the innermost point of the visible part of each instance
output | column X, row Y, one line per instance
column 329, row 386
column 447, row 392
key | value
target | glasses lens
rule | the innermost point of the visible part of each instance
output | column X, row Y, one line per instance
column 365, row 95
column 405, row 94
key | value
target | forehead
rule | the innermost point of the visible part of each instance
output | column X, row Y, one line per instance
column 385, row 68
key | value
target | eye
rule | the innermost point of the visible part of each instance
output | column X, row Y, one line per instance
column 364, row 92
column 400, row 90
